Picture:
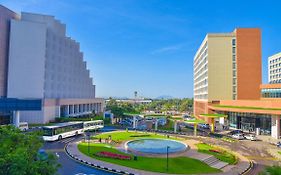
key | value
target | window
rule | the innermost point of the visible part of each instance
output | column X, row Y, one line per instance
column 234, row 66
column 233, row 42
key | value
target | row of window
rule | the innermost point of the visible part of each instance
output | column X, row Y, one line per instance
column 275, row 66
column 275, row 60
column 271, row 93
column 275, row 76
column 275, row 71
column 202, row 53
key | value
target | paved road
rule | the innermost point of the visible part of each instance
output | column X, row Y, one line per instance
column 70, row 166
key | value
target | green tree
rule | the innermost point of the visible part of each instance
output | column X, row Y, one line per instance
column 19, row 154
column 272, row 170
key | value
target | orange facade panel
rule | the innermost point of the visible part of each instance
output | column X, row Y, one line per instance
column 200, row 107
column 270, row 86
column 248, row 54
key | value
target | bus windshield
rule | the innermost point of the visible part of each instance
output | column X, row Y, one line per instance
column 48, row 132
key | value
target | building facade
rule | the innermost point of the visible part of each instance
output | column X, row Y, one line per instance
column 232, row 83
column 274, row 68
column 45, row 64
column 6, row 15
column 227, row 66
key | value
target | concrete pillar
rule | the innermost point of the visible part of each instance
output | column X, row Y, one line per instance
column 134, row 122
column 175, row 126
column 156, row 124
column 67, row 110
column 195, row 129
column 72, row 109
column 16, row 118
column 212, row 125
column 275, row 127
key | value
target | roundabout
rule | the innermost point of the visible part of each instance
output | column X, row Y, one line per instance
column 108, row 150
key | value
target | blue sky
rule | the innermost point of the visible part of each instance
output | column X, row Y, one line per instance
column 148, row 45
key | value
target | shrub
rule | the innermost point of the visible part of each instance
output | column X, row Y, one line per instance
column 113, row 155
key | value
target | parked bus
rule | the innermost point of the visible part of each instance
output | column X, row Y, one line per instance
column 62, row 130
column 93, row 125
column 68, row 129
column 23, row 126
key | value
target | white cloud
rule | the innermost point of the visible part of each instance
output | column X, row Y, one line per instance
column 168, row 49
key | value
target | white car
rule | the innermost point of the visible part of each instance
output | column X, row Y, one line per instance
column 251, row 137
column 238, row 136
column 205, row 126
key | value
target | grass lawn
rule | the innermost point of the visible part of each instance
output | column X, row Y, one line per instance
column 130, row 135
column 223, row 155
column 178, row 165
column 279, row 152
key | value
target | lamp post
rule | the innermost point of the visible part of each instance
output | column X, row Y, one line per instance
column 167, row 158
column 88, row 136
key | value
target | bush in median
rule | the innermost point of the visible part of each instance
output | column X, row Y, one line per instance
column 113, row 155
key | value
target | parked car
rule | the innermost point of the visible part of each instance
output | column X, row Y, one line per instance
column 204, row 126
column 235, row 132
column 251, row 137
column 238, row 136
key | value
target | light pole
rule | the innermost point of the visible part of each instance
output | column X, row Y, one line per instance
column 88, row 135
column 167, row 158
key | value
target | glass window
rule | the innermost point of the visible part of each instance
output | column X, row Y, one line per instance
column 48, row 132
column 233, row 42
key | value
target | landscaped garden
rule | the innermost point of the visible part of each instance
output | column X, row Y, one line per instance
column 109, row 153
column 217, row 152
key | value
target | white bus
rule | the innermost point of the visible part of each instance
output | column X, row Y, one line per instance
column 68, row 129
column 93, row 125
column 62, row 130
column 23, row 126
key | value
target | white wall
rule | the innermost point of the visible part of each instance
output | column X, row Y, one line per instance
column 26, row 59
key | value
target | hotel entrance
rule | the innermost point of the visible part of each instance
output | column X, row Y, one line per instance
column 248, row 122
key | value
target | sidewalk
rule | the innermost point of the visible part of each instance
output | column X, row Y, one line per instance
column 73, row 151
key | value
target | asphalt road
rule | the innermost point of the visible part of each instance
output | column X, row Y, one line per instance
column 68, row 165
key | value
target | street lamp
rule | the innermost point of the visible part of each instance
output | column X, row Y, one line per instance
column 88, row 137
column 168, row 157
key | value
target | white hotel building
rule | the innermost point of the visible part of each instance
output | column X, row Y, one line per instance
column 274, row 68
column 46, row 64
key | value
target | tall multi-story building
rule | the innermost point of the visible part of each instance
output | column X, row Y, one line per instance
column 227, row 83
column 5, row 17
column 274, row 68
column 227, row 66
column 47, row 65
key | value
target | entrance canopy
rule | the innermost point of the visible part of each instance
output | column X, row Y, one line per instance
column 14, row 104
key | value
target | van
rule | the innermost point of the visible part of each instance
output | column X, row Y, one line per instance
column 23, row 126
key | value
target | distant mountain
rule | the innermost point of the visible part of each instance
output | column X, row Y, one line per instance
column 164, row 97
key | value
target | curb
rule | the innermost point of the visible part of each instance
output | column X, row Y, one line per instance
column 247, row 170
column 95, row 165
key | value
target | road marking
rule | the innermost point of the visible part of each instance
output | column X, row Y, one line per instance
column 57, row 155
column 66, row 140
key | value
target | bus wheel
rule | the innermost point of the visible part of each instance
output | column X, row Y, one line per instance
column 60, row 137
column 76, row 133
